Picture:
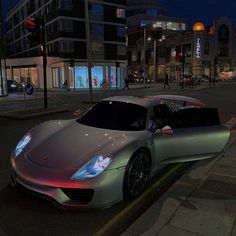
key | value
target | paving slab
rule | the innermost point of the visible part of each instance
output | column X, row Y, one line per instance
column 209, row 199
column 2, row 233
column 170, row 230
column 233, row 233
column 203, row 220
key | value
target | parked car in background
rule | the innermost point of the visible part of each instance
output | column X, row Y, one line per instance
column 13, row 86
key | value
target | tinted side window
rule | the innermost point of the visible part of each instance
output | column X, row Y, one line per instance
column 194, row 117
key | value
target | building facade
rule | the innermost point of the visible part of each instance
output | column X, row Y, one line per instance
column 204, row 51
column 142, row 16
column 68, row 31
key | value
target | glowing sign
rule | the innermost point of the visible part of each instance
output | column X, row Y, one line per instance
column 198, row 27
column 198, row 48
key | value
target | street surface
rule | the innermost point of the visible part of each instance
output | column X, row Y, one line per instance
column 23, row 214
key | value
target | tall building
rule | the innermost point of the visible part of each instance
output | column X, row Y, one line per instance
column 66, row 41
column 142, row 16
column 208, row 50
column 148, row 12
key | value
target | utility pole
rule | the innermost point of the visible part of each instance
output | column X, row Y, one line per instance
column 144, row 55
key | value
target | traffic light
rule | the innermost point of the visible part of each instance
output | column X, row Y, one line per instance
column 34, row 29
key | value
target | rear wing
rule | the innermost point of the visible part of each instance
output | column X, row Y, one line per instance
column 187, row 101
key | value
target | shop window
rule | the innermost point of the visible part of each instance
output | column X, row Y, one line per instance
column 81, row 77
column 57, row 77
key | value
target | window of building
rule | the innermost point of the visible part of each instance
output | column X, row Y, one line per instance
column 151, row 12
column 120, row 13
column 120, row 31
column 206, row 46
column 96, row 11
column 223, row 34
column 97, row 31
column 171, row 25
column 134, row 56
column 161, row 13
column 121, row 50
column 66, row 46
column 65, row 4
column 65, row 25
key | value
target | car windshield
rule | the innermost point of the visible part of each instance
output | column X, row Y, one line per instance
column 116, row 116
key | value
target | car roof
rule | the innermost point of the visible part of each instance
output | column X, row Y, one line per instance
column 149, row 101
column 135, row 100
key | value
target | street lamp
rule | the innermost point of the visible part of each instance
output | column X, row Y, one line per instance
column 144, row 56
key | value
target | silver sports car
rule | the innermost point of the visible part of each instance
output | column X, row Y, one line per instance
column 110, row 152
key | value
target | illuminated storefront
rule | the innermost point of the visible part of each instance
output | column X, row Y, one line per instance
column 77, row 77
column 26, row 74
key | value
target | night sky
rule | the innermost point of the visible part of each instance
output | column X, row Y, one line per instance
column 193, row 10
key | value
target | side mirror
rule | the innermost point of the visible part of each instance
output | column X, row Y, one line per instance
column 77, row 113
column 167, row 130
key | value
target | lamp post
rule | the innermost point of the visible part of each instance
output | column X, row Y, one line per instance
column 155, row 61
column 144, row 55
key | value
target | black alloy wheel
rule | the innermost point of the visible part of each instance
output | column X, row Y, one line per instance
column 137, row 174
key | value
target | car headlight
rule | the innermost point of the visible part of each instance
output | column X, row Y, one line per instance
column 21, row 145
column 92, row 168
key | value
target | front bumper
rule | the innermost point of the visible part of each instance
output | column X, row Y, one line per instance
column 100, row 192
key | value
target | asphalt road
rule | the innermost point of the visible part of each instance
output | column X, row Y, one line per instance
column 22, row 214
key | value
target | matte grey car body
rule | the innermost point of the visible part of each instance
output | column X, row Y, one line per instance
column 59, row 148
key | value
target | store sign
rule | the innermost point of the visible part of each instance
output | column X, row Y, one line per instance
column 198, row 48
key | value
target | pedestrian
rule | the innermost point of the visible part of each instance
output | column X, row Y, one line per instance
column 65, row 85
column 166, row 81
column 126, row 83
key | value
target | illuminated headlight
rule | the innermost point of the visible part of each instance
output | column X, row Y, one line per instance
column 92, row 168
column 22, row 144
column 13, row 85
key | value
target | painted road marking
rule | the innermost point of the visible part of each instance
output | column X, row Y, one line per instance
column 115, row 219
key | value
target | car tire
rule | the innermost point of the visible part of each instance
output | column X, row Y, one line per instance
column 137, row 174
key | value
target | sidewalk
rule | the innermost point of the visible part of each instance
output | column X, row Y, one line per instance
column 201, row 203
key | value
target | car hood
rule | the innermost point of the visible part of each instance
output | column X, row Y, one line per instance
column 72, row 145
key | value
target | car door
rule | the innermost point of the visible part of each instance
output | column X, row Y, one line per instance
column 197, row 134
